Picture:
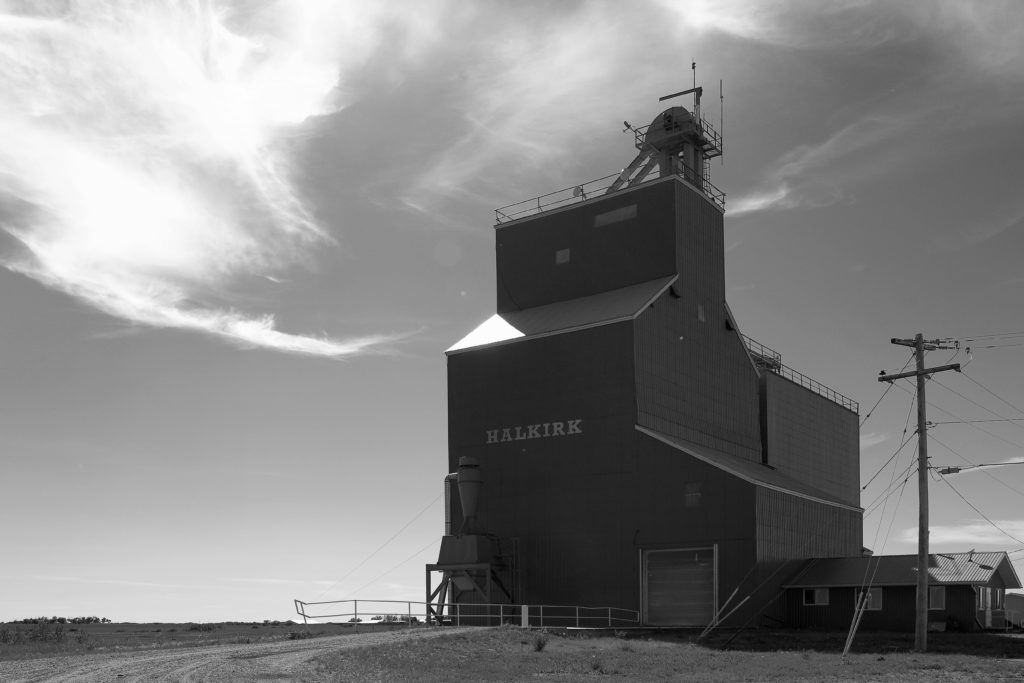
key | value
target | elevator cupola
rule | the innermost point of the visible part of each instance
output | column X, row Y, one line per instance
column 677, row 142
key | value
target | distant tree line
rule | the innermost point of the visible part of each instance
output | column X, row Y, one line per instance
column 63, row 620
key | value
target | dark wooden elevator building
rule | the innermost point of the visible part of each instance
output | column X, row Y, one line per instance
column 633, row 448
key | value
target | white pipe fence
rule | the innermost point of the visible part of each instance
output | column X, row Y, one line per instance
column 394, row 612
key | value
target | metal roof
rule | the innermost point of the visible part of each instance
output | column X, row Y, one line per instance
column 608, row 307
column 969, row 568
column 753, row 472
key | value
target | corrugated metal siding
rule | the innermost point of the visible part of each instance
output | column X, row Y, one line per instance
column 789, row 527
column 694, row 378
column 890, row 570
column 811, row 438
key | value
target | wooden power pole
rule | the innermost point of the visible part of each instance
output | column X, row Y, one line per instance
column 922, row 374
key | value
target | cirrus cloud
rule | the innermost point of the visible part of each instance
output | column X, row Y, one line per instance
column 142, row 159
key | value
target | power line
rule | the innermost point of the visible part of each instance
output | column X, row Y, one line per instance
column 403, row 562
column 906, row 426
column 996, row 526
column 886, row 463
column 993, row 393
column 976, row 337
column 887, row 389
column 973, row 464
column 969, row 400
column 968, row 423
column 371, row 555
column 906, row 474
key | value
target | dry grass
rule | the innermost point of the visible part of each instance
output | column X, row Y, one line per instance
column 510, row 654
column 21, row 641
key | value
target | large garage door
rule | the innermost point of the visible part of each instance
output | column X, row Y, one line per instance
column 679, row 586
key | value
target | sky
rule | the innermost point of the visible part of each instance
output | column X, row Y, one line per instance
column 236, row 238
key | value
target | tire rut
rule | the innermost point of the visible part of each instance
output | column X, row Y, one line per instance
column 282, row 661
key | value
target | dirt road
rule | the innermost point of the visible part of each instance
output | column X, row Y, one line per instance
column 281, row 661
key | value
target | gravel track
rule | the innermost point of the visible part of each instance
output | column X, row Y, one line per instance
column 281, row 661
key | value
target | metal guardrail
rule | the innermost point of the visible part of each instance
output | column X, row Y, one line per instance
column 554, row 200
column 768, row 359
column 365, row 612
column 593, row 188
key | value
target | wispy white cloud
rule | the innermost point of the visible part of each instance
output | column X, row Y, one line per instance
column 971, row 532
column 105, row 582
column 280, row 582
column 971, row 235
column 527, row 95
column 812, row 175
column 790, row 23
column 872, row 439
column 141, row 164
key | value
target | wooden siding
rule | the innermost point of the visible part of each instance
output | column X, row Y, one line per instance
column 790, row 527
column 694, row 379
column 898, row 613
column 563, row 498
column 810, row 438
column 601, row 257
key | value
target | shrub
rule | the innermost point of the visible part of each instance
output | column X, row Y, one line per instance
column 540, row 641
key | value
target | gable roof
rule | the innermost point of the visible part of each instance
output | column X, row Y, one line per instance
column 753, row 472
column 968, row 568
column 613, row 306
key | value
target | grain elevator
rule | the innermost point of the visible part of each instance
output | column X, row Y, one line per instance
column 614, row 438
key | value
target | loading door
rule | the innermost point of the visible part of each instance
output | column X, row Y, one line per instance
column 679, row 586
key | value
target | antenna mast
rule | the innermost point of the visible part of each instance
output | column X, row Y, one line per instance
column 721, row 118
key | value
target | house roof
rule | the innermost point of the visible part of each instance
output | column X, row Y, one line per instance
column 753, row 472
column 616, row 305
column 969, row 568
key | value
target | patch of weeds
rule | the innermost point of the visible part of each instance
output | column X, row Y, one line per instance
column 540, row 641
column 299, row 635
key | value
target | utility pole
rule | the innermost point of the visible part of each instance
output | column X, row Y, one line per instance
column 922, row 374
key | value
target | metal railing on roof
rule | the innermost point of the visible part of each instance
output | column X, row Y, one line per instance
column 594, row 188
column 767, row 359
column 712, row 146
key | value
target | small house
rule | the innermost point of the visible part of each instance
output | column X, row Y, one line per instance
column 966, row 591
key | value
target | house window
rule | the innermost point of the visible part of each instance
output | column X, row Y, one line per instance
column 983, row 594
column 691, row 494
column 937, row 597
column 874, row 600
column 816, row 596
